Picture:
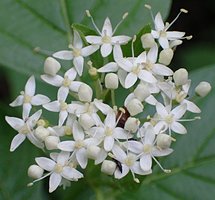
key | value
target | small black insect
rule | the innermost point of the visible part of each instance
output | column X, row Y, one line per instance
column 118, row 164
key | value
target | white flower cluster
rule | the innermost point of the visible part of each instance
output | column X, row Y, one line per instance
column 122, row 139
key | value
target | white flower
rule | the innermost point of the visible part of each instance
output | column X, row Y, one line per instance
column 65, row 84
column 25, row 129
column 28, row 98
column 58, row 169
column 106, row 38
column 203, row 89
column 78, row 146
column 146, row 149
column 128, row 163
column 77, row 53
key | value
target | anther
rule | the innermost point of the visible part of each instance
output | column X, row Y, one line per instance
column 88, row 13
column 183, row 10
column 148, row 6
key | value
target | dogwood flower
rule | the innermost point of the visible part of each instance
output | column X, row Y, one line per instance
column 25, row 128
column 28, row 98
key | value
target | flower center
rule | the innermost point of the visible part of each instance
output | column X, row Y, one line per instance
column 76, row 52
column 108, row 131
column 24, row 129
column 66, row 81
column 67, row 130
column 63, row 106
column 79, row 144
column 169, row 119
column 89, row 108
column 129, row 161
column 148, row 66
column 147, row 148
column 58, row 168
column 163, row 34
column 106, row 39
column 136, row 69
column 27, row 99
column 180, row 96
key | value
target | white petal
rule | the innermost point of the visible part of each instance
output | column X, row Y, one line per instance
column 66, row 146
column 53, row 80
column 172, row 35
column 119, row 153
column 155, row 34
column 30, row 86
column 26, row 110
column 71, row 173
column 110, row 120
column 164, row 42
column 106, row 50
column 179, row 111
column 191, row 106
column 120, row 133
column 130, row 80
column 125, row 64
column 146, row 162
column 119, row 175
column 75, row 86
column 149, row 135
column 164, row 152
column 39, row 99
column 63, row 157
column 81, row 156
column 79, row 64
column 86, row 51
column 71, row 74
column 109, row 67
column 107, row 28
column 54, row 181
column 31, row 137
column 108, row 143
column 104, row 108
column 101, row 157
column 78, row 132
column 138, row 170
column 152, row 54
column 159, row 25
column 64, row 55
column 77, row 41
column 45, row 163
column 62, row 93
column 62, row 117
column 117, row 52
column 135, row 147
column 18, row 101
column 15, row 122
column 147, row 76
column 178, row 128
column 151, row 100
column 52, row 106
column 32, row 120
column 162, row 70
column 17, row 140
column 120, row 39
column 94, row 39
column 141, row 58
column 161, row 110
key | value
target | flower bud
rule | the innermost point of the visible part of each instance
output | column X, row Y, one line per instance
column 85, row 93
column 141, row 92
column 51, row 66
column 111, row 81
column 175, row 43
column 134, row 107
column 93, row 151
column 51, row 142
column 203, row 88
column 35, row 171
column 165, row 56
column 180, row 76
column 163, row 141
column 132, row 124
column 108, row 167
column 41, row 133
column 86, row 121
column 147, row 40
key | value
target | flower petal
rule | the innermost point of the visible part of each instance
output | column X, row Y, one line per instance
column 75, row 86
column 77, row 41
column 94, row 39
column 62, row 93
column 63, row 158
column 172, row 35
column 159, row 25
column 147, row 76
column 71, row 173
column 118, row 153
column 178, row 128
column 18, row 101
column 53, row 80
column 17, row 140
column 146, row 162
column 109, row 67
column 64, row 55
column 118, row 174
column 31, row 137
column 106, row 49
column 30, row 86
column 120, row 39
column 108, row 143
column 162, row 70
column 78, row 132
column 26, row 110
column 130, row 80
column 66, row 146
column 152, row 54
column 62, row 117
column 54, row 181
column 86, row 51
column 52, row 106
column 191, row 106
column 179, row 111
column 161, row 110
column 81, row 156
column 110, row 120
column 45, row 163
column 117, row 52
column 107, row 28
column 135, row 146
column 71, row 74
column 164, row 42
column 15, row 122
column 39, row 99
column 79, row 64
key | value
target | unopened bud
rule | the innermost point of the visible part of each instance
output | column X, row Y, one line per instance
column 51, row 142
column 93, row 152
column 85, row 93
column 180, row 76
column 51, row 66
column 134, row 107
column 35, row 171
column 86, row 121
column 141, row 92
column 41, row 133
column 108, row 167
column 132, row 124
column 147, row 40
column 164, row 141
column 166, row 56
column 203, row 88
column 111, row 81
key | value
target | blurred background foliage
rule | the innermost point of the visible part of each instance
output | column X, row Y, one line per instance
column 26, row 24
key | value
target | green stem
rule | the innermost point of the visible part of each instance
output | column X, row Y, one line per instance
column 98, row 88
column 113, row 97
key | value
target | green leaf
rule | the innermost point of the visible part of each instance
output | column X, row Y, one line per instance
column 193, row 159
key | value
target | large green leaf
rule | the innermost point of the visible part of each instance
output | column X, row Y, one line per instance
column 192, row 162
column 26, row 24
